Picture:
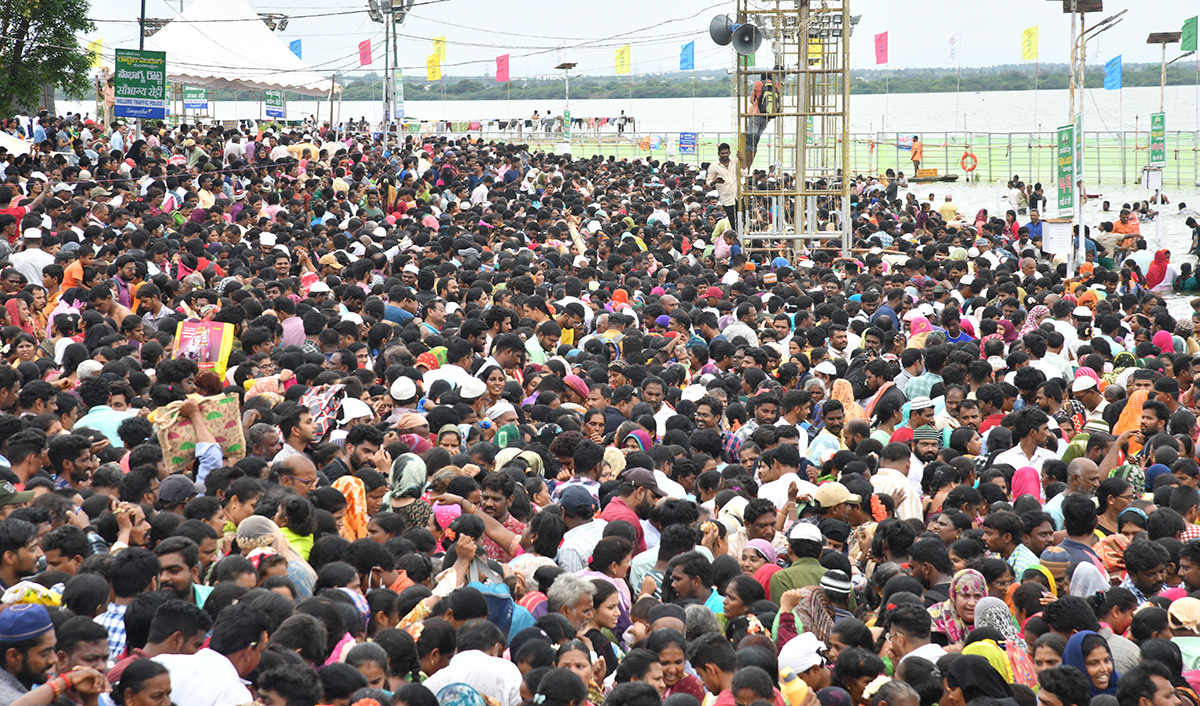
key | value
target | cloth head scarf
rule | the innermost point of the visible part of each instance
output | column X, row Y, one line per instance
column 1131, row 418
column 843, row 392
column 995, row 656
column 1162, row 339
column 411, row 420
column 416, row 443
column 977, row 677
column 918, row 325
column 1111, row 551
column 1031, row 320
column 641, row 436
column 946, row 619
column 1077, row 447
column 1008, row 330
column 1184, row 613
column 1027, row 481
column 1158, row 269
column 1089, row 299
column 1153, row 472
column 1087, row 580
column 984, row 341
column 764, row 549
column 428, row 361
column 354, row 523
column 992, row 613
column 14, row 316
column 1073, row 656
column 257, row 531
column 407, row 479
column 1133, row 475
column 1041, row 569
column 95, row 334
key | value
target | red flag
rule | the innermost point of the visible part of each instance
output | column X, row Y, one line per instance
column 881, row 56
column 502, row 68
column 364, row 52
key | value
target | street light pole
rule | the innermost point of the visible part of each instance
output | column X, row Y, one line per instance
column 566, row 118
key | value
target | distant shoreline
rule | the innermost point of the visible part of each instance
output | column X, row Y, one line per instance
column 715, row 84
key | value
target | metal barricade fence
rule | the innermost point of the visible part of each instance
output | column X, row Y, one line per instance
column 1115, row 157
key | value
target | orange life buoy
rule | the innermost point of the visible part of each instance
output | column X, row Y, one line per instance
column 963, row 162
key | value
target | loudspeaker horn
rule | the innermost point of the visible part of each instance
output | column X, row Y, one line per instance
column 720, row 29
column 747, row 38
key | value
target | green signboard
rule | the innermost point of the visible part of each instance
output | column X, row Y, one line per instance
column 1158, row 139
column 1066, row 171
column 195, row 98
column 140, row 84
column 273, row 100
column 566, row 127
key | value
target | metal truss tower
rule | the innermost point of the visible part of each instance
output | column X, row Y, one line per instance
column 796, row 193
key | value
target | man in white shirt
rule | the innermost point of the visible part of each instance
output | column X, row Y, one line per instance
column 478, row 665
column 777, row 471
column 1030, row 432
column 215, row 675
column 892, row 479
column 32, row 260
column 480, row 193
column 723, row 175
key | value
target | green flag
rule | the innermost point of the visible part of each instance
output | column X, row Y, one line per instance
column 1188, row 42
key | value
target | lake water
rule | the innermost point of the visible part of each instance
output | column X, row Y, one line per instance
column 1001, row 111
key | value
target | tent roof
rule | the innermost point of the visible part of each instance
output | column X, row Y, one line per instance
column 204, row 48
column 14, row 144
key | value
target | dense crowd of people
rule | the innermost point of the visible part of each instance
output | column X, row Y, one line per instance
column 405, row 421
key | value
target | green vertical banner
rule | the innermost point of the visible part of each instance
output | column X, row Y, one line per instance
column 140, row 84
column 1066, row 171
column 1158, row 139
column 273, row 100
column 566, row 133
column 808, row 131
column 1188, row 41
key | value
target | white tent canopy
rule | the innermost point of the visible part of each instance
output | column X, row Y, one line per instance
column 14, row 144
column 224, row 44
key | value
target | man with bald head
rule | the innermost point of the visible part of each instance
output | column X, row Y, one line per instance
column 1083, row 477
column 298, row 473
column 1028, row 267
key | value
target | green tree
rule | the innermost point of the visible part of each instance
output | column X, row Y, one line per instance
column 38, row 50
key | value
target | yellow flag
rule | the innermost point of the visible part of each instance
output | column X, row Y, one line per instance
column 433, row 68
column 439, row 48
column 623, row 60
column 94, row 49
column 1029, row 44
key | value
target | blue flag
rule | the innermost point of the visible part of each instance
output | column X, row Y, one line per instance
column 1112, row 74
column 294, row 45
column 687, row 57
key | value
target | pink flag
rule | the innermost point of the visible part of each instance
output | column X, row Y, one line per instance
column 881, row 56
column 502, row 68
column 364, row 52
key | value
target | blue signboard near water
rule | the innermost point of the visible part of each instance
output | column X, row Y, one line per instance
column 687, row 143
